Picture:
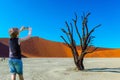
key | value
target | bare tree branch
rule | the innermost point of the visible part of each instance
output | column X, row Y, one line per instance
column 65, row 41
column 89, row 41
column 70, row 34
column 64, row 31
column 93, row 50
column 87, row 36
column 67, row 27
column 67, row 34
column 76, row 28
column 93, row 29
column 71, row 28
column 86, row 21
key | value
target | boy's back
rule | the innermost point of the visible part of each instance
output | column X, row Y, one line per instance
column 15, row 51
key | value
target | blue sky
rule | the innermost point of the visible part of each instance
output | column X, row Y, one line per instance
column 47, row 17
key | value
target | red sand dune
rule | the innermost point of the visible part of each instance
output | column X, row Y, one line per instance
column 38, row 47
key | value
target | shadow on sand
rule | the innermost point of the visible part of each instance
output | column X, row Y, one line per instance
column 114, row 70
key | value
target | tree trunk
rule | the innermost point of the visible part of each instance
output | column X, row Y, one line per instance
column 80, row 65
column 78, row 60
column 75, row 59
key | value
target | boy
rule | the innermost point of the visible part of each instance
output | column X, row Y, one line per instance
column 15, row 62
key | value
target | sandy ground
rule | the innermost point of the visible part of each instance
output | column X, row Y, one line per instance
column 64, row 69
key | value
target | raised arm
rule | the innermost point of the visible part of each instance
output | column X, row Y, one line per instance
column 29, row 33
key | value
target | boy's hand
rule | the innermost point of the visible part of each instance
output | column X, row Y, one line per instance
column 26, row 28
column 22, row 28
column 29, row 28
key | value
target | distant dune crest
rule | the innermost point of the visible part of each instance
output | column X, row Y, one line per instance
column 38, row 47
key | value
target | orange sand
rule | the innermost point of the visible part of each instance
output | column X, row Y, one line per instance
column 38, row 47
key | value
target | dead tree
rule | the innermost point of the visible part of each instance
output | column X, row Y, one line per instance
column 85, row 38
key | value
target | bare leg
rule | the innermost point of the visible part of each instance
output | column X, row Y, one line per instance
column 21, row 77
column 13, row 77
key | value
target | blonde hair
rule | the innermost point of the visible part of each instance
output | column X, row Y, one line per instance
column 14, row 32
